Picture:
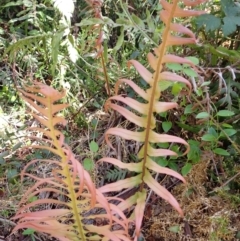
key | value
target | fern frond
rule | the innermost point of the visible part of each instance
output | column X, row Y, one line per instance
column 173, row 34
column 95, row 6
column 74, row 213
column 116, row 174
column 25, row 43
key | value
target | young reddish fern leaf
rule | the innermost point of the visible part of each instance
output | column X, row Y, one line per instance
column 146, row 119
column 96, row 5
column 77, row 198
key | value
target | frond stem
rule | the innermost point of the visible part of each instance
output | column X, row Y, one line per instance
column 105, row 74
column 72, row 193
column 155, row 82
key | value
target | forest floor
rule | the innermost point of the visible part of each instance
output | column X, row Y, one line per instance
column 211, row 211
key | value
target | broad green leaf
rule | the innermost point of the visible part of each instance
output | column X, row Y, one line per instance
column 225, row 113
column 173, row 165
column 166, row 125
column 230, row 7
column 230, row 24
column 176, row 149
column 228, row 132
column 227, row 125
column 212, row 131
column 88, row 164
column 32, row 199
column 93, row 146
column 199, row 92
column 210, row 21
column 176, row 88
column 11, row 173
column 194, row 153
column 193, row 59
column 119, row 41
column 202, row 115
column 164, row 84
column 163, row 162
column 190, row 72
column 221, row 152
column 28, row 231
column 188, row 109
column 163, row 145
column 175, row 229
column 186, row 169
column 163, row 114
column 174, row 66
column 208, row 137
column 138, row 21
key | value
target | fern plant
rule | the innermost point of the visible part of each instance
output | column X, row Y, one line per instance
column 116, row 174
column 78, row 199
column 49, row 38
column 144, row 117
column 95, row 6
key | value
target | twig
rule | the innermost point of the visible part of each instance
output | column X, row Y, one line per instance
column 225, row 183
column 83, row 105
column 3, row 220
column 234, row 118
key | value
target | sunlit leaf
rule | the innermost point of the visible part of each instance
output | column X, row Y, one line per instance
column 228, row 132
column 225, row 113
column 221, row 152
column 119, row 41
column 175, row 229
column 93, row 146
column 209, row 137
column 186, row 169
column 88, row 164
column 202, row 115
column 166, row 125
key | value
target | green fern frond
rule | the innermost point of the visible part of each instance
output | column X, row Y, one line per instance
column 116, row 174
column 25, row 44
